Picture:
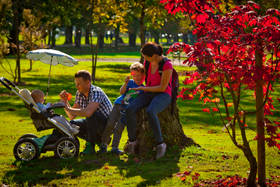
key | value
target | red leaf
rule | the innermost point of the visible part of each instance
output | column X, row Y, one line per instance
column 201, row 18
column 206, row 110
column 215, row 109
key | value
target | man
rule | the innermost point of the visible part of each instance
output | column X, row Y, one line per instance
column 90, row 102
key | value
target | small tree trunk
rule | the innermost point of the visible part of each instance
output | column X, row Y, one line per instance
column 30, row 65
column 117, row 36
column 87, row 34
column 100, row 40
column 185, row 38
column 68, row 35
column 132, row 39
column 171, row 128
column 78, row 37
column 260, row 120
column 53, row 37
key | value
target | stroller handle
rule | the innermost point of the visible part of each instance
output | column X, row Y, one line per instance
column 7, row 83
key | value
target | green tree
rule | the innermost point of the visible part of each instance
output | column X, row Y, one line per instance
column 32, row 32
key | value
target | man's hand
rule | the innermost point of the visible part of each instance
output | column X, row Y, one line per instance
column 63, row 96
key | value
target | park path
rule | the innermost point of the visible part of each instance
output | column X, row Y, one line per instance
column 129, row 60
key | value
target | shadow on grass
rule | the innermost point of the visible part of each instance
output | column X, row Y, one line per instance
column 47, row 169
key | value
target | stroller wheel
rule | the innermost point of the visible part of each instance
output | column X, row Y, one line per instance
column 26, row 150
column 66, row 148
column 27, row 136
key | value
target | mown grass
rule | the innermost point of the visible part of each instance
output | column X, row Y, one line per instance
column 217, row 155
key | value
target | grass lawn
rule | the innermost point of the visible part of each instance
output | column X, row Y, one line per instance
column 217, row 155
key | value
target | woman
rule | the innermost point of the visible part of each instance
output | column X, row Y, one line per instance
column 156, row 96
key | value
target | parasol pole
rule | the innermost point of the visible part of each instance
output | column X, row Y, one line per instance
column 49, row 78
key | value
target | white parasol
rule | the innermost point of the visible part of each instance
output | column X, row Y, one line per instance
column 52, row 57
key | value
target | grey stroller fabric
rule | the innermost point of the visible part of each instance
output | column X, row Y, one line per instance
column 39, row 120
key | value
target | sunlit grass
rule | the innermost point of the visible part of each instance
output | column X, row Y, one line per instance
column 217, row 155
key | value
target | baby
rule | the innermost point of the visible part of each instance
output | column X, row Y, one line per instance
column 38, row 97
column 117, row 119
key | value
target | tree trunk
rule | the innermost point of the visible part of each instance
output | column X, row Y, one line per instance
column 68, row 35
column 15, row 39
column 53, row 37
column 100, row 40
column 251, row 182
column 171, row 128
column 117, row 36
column 30, row 65
column 260, row 119
column 185, row 38
column 78, row 37
column 175, row 38
column 49, row 38
column 87, row 34
column 132, row 39
column 142, row 30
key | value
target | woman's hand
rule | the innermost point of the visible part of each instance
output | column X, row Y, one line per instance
column 138, row 88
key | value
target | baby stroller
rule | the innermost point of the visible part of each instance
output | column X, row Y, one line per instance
column 29, row 146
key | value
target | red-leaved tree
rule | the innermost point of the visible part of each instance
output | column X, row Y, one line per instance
column 236, row 54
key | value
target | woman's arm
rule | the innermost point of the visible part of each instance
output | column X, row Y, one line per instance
column 165, row 78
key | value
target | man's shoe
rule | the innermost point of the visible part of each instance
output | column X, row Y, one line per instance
column 130, row 147
column 161, row 148
column 116, row 151
column 89, row 149
column 103, row 148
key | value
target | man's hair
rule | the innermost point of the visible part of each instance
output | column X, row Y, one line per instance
column 84, row 74
column 137, row 66
column 36, row 95
column 151, row 48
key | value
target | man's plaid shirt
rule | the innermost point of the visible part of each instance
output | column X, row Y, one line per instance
column 97, row 95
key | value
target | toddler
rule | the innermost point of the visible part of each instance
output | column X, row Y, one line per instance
column 38, row 97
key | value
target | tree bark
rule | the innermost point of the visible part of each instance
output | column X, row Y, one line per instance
column 185, row 38
column 117, row 36
column 142, row 29
column 171, row 128
column 78, row 37
column 53, row 37
column 260, row 119
column 100, row 40
column 87, row 34
column 251, row 182
column 68, row 35
column 132, row 39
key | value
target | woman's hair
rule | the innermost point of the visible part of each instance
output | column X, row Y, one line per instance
column 137, row 66
column 84, row 74
column 151, row 48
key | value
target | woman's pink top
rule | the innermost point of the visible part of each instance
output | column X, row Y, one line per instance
column 154, row 79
